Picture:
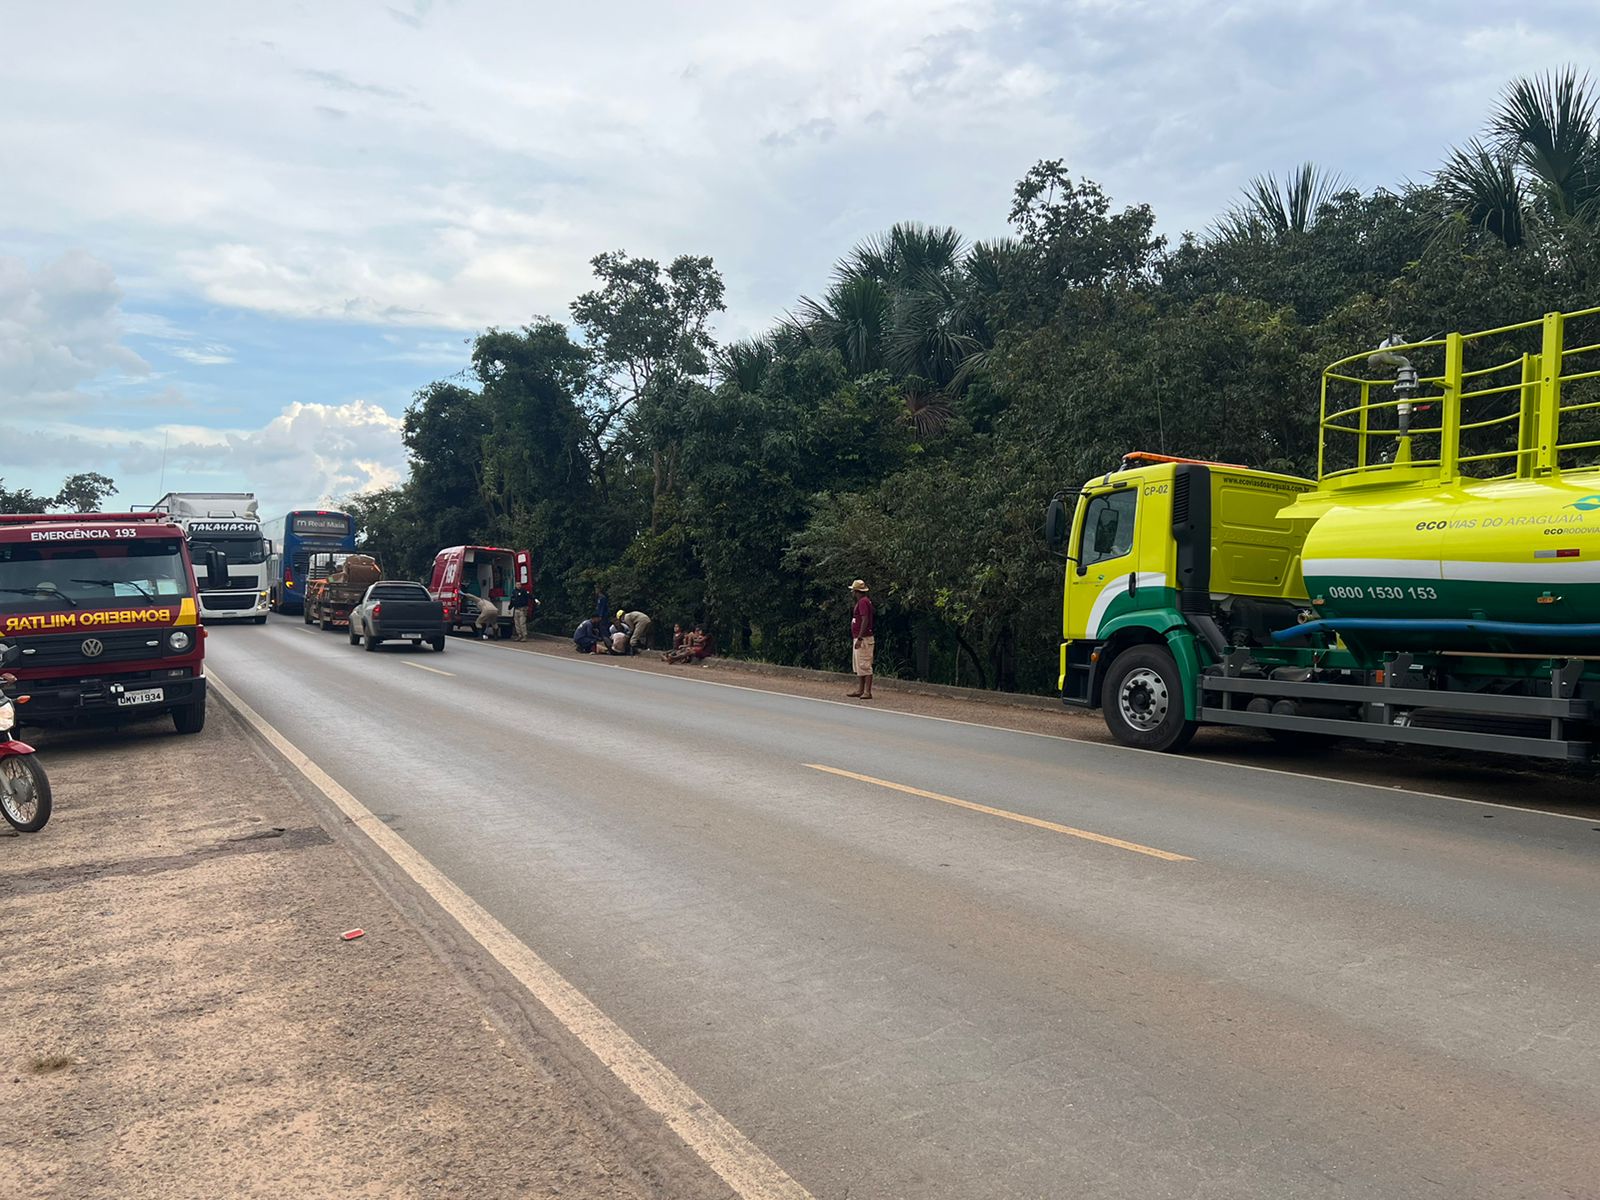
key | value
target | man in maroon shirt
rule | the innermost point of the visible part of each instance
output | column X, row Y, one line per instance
column 863, row 626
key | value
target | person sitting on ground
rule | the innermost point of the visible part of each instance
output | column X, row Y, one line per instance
column 683, row 644
column 620, row 635
column 701, row 644
column 589, row 637
column 696, row 645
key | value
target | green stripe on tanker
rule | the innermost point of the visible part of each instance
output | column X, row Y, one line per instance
column 1525, row 551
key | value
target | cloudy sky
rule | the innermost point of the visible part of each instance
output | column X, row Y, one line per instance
column 235, row 239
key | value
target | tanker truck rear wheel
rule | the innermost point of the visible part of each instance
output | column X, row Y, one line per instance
column 1143, row 700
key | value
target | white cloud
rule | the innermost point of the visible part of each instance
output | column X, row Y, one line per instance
column 306, row 454
column 331, row 450
column 60, row 328
column 209, row 355
column 457, row 165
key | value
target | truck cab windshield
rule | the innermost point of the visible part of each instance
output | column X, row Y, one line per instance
column 49, row 578
column 243, row 550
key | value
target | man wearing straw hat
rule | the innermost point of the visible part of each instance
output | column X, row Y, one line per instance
column 862, row 629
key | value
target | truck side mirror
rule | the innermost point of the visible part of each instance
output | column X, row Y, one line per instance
column 1055, row 525
column 216, row 568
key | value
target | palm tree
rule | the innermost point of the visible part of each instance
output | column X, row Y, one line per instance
column 941, row 322
column 1550, row 125
column 852, row 318
column 1482, row 190
column 1274, row 208
column 745, row 363
column 916, row 301
column 1538, row 166
column 906, row 252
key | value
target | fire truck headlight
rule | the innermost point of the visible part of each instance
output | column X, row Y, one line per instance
column 179, row 640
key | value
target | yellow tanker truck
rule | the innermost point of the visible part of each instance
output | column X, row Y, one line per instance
column 1437, row 584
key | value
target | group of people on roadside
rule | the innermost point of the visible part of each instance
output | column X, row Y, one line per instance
column 688, row 645
column 621, row 633
column 629, row 633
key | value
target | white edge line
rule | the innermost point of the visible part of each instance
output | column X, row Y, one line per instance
column 739, row 1161
column 1386, row 789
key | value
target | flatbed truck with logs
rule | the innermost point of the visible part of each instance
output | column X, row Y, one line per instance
column 334, row 583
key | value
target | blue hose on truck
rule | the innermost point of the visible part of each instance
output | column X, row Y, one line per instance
column 1527, row 629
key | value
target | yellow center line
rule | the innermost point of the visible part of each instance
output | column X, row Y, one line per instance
column 435, row 670
column 1021, row 818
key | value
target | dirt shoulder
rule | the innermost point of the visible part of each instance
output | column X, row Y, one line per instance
column 1493, row 779
column 181, row 1019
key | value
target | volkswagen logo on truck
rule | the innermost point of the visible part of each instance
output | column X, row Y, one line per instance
column 92, row 647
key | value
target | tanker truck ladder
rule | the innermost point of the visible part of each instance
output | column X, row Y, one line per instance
column 1518, row 402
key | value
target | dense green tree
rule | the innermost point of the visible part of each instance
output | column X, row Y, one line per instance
column 538, row 480
column 445, row 431
column 390, row 529
column 21, row 500
column 644, row 326
column 84, row 492
column 910, row 424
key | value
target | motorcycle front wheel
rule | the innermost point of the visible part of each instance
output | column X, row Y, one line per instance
column 24, row 793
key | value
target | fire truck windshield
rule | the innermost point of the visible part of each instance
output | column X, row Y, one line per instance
column 48, row 578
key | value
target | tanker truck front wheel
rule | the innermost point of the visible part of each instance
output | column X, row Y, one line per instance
column 1143, row 700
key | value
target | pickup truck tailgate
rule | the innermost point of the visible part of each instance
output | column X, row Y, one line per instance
column 402, row 618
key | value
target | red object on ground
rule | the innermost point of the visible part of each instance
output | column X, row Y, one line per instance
column 350, row 935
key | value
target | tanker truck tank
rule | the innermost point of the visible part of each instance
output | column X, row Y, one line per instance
column 1524, row 552
column 1437, row 585
column 1464, row 513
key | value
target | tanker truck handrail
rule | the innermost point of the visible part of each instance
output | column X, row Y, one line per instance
column 1531, row 399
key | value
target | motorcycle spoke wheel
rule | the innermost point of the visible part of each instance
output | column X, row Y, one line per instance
column 24, row 793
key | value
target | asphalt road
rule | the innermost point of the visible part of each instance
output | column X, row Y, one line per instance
column 1309, row 989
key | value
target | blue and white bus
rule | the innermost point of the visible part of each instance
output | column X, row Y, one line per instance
column 306, row 531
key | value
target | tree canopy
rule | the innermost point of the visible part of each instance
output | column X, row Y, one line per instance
column 84, row 492
column 909, row 421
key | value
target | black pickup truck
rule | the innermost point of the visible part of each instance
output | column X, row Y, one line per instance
column 395, row 610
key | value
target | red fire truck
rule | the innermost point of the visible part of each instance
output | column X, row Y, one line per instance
column 103, row 608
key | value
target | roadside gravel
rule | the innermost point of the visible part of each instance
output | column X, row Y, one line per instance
column 180, row 1018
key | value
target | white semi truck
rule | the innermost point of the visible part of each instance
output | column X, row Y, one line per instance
column 229, row 553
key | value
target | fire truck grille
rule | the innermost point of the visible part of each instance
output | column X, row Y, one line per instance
column 115, row 646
